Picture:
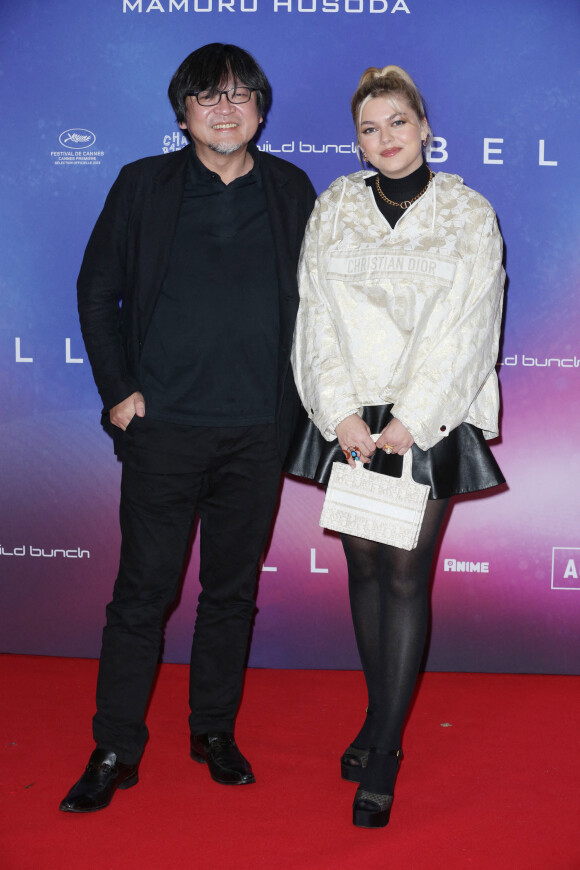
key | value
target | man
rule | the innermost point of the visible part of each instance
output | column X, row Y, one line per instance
column 202, row 247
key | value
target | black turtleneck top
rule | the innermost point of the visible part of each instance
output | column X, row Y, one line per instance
column 399, row 190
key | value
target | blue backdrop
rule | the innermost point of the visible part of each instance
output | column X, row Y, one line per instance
column 83, row 91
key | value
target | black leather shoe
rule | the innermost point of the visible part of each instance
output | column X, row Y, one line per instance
column 226, row 763
column 96, row 787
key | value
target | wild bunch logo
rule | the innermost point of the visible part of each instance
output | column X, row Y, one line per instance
column 45, row 552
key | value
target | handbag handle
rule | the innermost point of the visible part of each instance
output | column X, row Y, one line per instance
column 407, row 461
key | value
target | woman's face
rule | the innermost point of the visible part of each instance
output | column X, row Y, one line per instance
column 391, row 135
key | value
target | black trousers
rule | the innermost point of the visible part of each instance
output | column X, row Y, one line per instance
column 231, row 477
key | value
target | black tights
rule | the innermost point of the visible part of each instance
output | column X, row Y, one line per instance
column 389, row 599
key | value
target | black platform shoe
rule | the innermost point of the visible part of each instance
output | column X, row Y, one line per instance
column 370, row 809
column 354, row 760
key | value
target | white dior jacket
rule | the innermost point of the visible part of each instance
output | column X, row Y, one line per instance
column 409, row 315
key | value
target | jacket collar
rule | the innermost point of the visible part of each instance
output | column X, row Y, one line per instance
column 175, row 165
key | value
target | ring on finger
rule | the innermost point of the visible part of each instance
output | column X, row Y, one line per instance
column 388, row 448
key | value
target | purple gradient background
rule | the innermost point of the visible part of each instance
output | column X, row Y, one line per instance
column 488, row 70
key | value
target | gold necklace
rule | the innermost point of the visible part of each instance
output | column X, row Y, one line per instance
column 407, row 202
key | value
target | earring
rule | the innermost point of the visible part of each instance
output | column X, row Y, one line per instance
column 364, row 156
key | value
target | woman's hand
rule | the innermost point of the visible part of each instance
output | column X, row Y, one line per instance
column 396, row 436
column 354, row 434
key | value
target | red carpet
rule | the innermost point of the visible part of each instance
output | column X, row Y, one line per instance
column 491, row 777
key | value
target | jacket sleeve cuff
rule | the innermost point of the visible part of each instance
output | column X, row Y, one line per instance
column 114, row 395
column 423, row 437
column 329, row 431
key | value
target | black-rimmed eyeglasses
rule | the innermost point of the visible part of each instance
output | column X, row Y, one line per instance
column 236, row 95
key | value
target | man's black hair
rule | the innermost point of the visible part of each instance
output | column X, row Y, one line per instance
column 209, row 68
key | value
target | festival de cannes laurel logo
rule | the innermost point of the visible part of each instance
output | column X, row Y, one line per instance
column 77, row 147
column 77, row 138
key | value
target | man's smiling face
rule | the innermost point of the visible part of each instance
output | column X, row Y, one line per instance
column 223, row 128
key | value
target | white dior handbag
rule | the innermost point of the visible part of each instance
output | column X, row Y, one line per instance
column 375, row 506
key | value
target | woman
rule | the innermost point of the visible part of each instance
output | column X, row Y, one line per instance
column 401, row 286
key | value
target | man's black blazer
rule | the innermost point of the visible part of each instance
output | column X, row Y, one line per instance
column 127, row 258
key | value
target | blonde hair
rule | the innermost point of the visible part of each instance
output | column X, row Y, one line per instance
column 388, row 81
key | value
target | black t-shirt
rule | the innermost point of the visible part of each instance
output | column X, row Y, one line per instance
column 211, row 351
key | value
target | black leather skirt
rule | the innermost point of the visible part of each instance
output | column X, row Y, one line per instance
column 462, row 462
